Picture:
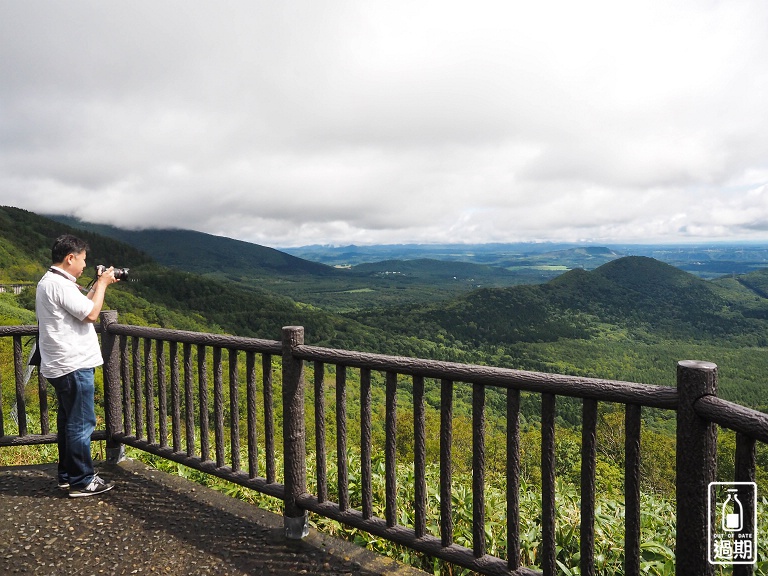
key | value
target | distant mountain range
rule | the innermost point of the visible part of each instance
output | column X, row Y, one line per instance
column 506, row 264
column 708, row 260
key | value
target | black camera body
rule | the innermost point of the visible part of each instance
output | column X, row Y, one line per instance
column 120, row 273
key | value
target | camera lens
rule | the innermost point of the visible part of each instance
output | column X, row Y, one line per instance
column 120, row 273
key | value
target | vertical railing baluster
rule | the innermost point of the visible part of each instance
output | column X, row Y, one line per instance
column 18, row 367
column 21, row 402
column 513, row 479
column 138, row 392
column 125, row 379
column 366, row 476
column 446, row 462
column 632, row 425
column 419, row 457
column 341, row 437
column 390, row 449
column 269, row 418
column 234, row 411
column 745, row 459
column 2, row 422
column 149, row 390
column 175, row 397
column 250, row 400
column 162, row 393
column 189, row 400
column 478, row 470
column 42, row 392
column 588, row 464
column 320, row 448
column 112, row 387
column 202, row 377
column 549, row 551
column 745, row 464
column 218, row 406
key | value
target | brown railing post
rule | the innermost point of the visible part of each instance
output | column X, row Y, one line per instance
column 18, row 369
column 112, row 393
column 696, row 465
column 294, row 435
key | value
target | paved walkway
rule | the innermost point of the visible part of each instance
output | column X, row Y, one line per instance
column 156, row 523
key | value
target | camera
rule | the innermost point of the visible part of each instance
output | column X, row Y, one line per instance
column 120, row 273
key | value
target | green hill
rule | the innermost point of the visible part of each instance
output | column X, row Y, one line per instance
column 638, row 291
column 631, row 293
column 26, row 240
column 157, row 295
column 630, row 319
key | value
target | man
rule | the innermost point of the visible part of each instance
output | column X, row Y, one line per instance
column 70, row 353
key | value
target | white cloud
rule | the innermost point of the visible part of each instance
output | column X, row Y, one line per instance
column 340, row 122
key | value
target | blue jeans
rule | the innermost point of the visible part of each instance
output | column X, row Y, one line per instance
column 76, row 421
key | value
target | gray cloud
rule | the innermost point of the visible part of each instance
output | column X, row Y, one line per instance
column 337, row 122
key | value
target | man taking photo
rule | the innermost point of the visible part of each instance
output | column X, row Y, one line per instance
column 69, row 355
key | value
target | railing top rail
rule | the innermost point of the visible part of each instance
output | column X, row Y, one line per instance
column 28, row 330
column 733, row 416
column 606, row 390
column 203, row 338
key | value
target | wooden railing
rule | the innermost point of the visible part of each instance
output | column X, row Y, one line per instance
column 156, row 398
column 14, row 288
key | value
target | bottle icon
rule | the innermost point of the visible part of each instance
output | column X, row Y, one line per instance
column 733, row 515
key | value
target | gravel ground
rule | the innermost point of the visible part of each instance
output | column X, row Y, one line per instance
column 155, row 523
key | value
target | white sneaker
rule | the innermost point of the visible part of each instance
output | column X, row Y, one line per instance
column 97, row 486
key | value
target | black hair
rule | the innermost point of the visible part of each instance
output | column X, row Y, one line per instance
column 65, row 245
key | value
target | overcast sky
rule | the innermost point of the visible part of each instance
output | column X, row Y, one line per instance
column 339, row 122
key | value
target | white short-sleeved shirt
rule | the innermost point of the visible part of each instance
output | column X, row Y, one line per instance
column 67, row 341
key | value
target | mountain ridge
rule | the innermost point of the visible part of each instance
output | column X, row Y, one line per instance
column 200, row 252
column 634, row 292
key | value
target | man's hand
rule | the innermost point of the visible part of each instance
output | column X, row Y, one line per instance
column 107, row 277
column 97, row 292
